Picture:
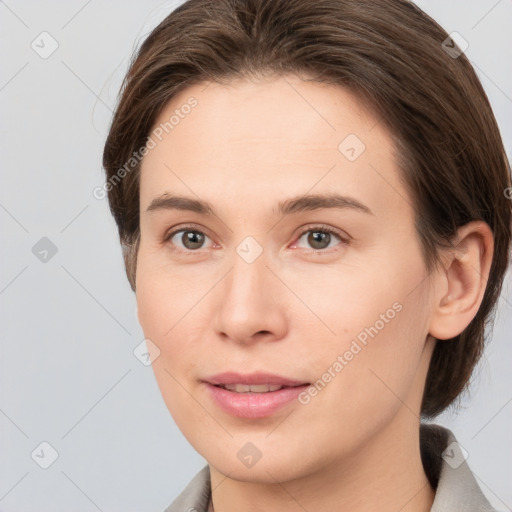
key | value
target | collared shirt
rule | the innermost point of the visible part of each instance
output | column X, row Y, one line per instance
column 456, row 489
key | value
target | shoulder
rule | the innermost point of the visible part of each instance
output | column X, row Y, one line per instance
column 195, row 496
column 449, row 474
column 445, row 465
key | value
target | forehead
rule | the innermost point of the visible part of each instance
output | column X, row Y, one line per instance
column 282, row 135
column 270, row 111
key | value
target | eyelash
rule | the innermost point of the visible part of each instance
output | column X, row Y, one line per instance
column 323, row 229
column 344, row 240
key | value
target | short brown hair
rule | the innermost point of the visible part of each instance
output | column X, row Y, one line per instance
column 392, row 56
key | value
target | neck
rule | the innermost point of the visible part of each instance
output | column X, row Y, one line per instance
column 386, row 475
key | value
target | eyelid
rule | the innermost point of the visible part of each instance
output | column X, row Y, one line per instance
column 182, row 227
column 185, row 227
column 324, row 227
column 344, row 237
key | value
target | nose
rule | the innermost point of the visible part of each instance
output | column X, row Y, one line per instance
column 251, row 303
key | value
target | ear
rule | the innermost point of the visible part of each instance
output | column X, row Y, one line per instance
column 460, row 285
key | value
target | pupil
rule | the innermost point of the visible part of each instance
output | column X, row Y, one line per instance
column 317, row 239
column 192, row 239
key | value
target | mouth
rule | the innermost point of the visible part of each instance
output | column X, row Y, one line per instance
column 253, row 379
column 255, row 388
column 256, row 395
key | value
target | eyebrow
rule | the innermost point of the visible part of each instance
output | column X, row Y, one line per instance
column 287, row 207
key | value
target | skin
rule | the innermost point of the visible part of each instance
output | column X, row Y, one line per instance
column 243, row 148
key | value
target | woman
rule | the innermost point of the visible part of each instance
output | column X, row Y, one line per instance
column 312, row 202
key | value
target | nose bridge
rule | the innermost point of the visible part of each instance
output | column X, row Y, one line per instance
column 245, row 285
column 248, row 303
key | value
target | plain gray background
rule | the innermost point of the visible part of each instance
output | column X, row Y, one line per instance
column 68, row 373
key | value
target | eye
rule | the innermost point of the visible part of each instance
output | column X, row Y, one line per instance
column 187, row 238
column 191, row 239
column 320, row 237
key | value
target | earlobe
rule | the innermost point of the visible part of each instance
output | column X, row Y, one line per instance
column 462, row 281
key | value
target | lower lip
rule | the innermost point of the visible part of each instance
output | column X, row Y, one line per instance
column 253, row 405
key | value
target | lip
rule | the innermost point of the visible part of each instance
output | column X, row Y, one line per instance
column 252, row 379
column 253, row 405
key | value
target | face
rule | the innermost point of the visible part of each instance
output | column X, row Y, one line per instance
column 278, row 251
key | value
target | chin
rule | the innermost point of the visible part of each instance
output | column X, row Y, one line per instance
column 241, row 460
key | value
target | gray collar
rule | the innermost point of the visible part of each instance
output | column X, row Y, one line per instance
column 443, row 459
column 445, row 465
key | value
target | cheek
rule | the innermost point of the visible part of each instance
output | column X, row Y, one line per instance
column 162, row 307
column 165, row 296
column 343, row 301
column 166, row 317
column 378, row 321
column 171, row 313
column 153, row 307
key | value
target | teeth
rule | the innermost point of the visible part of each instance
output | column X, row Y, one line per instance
column 258, row 388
